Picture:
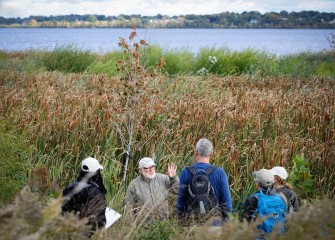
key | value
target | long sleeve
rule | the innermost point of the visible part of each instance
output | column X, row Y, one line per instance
column 182, row 193
column 222, row 186
column 96, row 206
column 249, row 208
column 130, row 198
column 172, row 183
column 293, row 202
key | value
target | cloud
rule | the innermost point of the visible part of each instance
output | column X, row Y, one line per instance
column 25, row 8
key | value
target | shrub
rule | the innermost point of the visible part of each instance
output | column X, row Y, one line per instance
column 166, row 229
column 178, row 62
column 30, row 218
column 67, row 58
column 306, row 64
column 227, row 62
column 150, row 56
column 301, row 178
column 106, row 65
column 3, row 55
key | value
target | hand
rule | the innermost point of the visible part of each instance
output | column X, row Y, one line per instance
column 172, row 169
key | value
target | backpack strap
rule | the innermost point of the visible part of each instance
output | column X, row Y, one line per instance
column 192, row 170
column 208, row 171
column 283, row 197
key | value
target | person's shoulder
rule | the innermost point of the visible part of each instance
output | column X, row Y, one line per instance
column 219, row 170
column 161, row 176
column 187, row 169
column 88, row 185
column 255, row 195
column 284, row 190
column 194, row 165
column 253, row 199
column 69, row 188
column 135, row 181
column 71, row 185
column 79, row 186
column 289, row 192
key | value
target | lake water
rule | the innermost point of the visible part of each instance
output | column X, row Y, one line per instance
column 274, row 41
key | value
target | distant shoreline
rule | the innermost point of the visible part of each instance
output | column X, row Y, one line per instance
column 224, row 20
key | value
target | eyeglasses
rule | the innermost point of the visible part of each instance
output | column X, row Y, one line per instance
column 148, row 167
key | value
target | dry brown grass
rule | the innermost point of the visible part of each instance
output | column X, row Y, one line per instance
column 31, row 218
column 253, row 124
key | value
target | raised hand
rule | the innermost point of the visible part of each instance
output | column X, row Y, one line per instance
column 172, row 169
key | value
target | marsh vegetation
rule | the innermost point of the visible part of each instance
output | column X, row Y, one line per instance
column 259, row 111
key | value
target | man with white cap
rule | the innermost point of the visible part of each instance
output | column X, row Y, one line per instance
column 150, row 189
column 281, row 186
column 86, row 195
column 265, row 202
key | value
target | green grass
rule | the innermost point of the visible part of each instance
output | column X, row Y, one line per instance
column 67, row 58
column 307, row 64
column 14, row 154
column 250, row 62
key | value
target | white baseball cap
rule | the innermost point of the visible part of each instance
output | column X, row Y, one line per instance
column 90, row 165
column 146, row 163
column 264, row 176
column 279, row 171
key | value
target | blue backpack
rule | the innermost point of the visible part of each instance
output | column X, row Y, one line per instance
column 273, row 209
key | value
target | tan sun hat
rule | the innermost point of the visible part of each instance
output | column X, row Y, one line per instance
column 264, row 176
column 146, row 163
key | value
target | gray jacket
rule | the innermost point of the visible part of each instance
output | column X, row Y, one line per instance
column 151, row 194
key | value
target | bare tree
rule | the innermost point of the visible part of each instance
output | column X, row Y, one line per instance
column 133, row 91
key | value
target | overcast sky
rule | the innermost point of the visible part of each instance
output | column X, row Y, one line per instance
column 26, row 8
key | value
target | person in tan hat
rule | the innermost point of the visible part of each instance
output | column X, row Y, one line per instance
column 149, row 191
column 281, row 186
column 86, row 195
column 265, row 203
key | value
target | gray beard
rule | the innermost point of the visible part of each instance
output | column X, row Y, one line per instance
column 145, row 175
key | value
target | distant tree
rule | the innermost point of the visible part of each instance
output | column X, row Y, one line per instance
column 252, row 19
column 101, row 17
column 92, row 18
column 283, row 14
column 33, row 23
column 136, row 22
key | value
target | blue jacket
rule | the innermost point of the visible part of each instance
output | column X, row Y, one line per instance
column 219, row 181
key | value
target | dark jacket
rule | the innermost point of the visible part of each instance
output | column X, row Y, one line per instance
column 86, row 197
column 250, row 204
column 292, row 199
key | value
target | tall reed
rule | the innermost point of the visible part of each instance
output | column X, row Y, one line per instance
column 253, row 124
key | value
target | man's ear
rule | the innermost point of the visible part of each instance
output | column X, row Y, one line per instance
column 196, row 153
column 140, row 170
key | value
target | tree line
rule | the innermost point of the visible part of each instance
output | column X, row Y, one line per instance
column 252, row 19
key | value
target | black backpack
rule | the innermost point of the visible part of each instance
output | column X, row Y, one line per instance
column 201, row 196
